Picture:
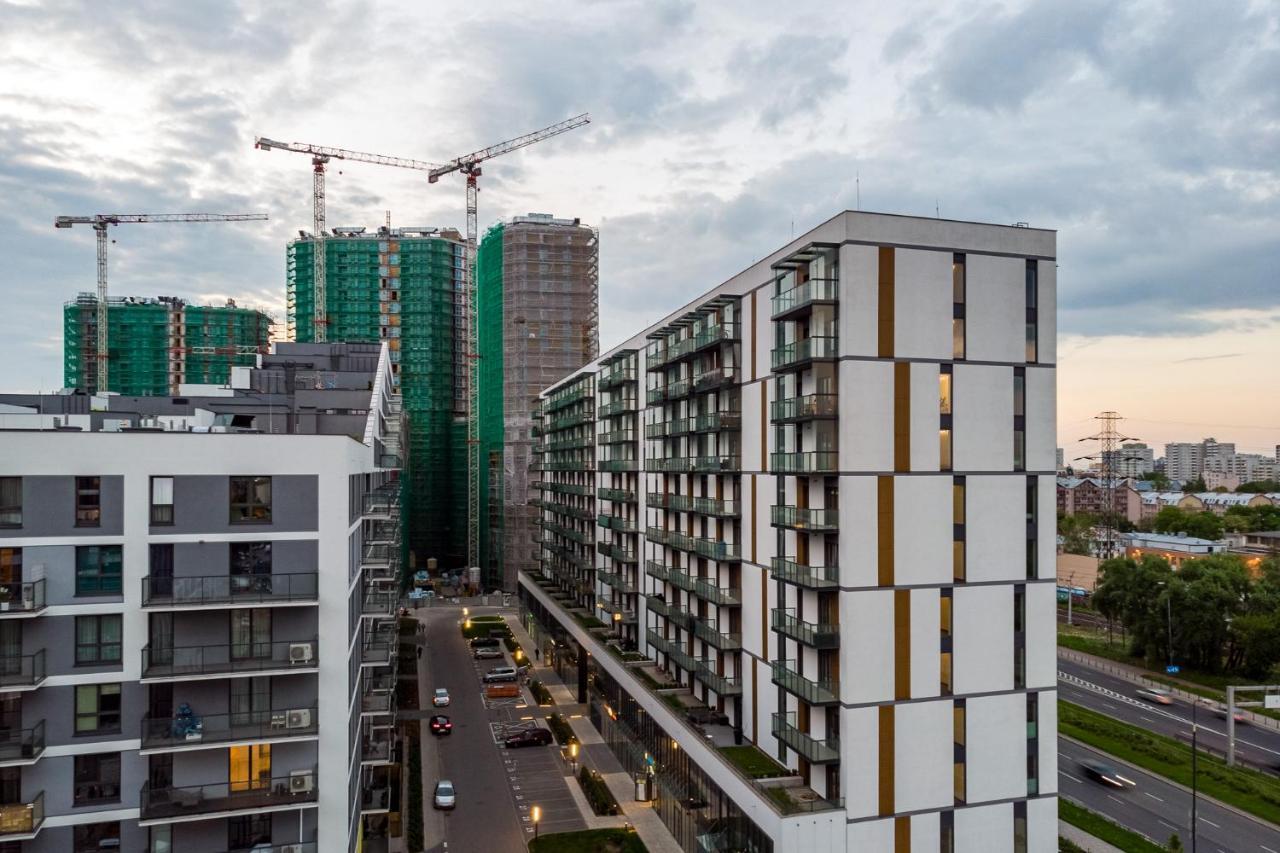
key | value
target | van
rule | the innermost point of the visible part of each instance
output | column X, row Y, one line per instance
column 500, row 673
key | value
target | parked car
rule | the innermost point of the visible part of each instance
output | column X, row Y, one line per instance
column 1105, row 774
column 1156, row 695
column 440, row 698
column 485, row 643
column 499, row 674
column 499, row 633
column 446, row 797
column 487, row 653
column 528, row 737
column 441, row 725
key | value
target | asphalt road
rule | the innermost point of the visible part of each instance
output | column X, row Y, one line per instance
column 1158, row 809
column 1256, row 747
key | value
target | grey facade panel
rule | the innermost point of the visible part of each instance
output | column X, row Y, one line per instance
column 49, row 508
column 202, row 504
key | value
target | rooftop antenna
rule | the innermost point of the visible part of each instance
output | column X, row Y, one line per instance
column 937, row 213
column 857, row 188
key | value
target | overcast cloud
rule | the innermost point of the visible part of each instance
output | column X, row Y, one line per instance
column 1147, row 133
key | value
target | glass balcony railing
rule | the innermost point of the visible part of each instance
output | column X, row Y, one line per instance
column 805, row 408
column 617, row 436
column 619, row 465
column 816, row 751
column 379, row 603
column 702, row 506
column 787, row 676
column 809, row 577
column 815, row 634
column 805, row 518
column 705, row 671
column 718, row 421
column 170, row 732
column 717, row 334
column 22, row 820
column 618, row 523
column 803, row 351
column 805, row 462
column 20, row 672
column 228, row 658
column 614, row 551
column 617, row 495
column 708, row 591
column 717, row 463
column 709, row 632
column 22, row 746
column 659, row 571
column 616, row 581
column 169, row 802
column 712, row 549
column 614, row 377
column 221, row 590
column 21, row 598
column 790, row 302
column 716, row 377
column 618, row 407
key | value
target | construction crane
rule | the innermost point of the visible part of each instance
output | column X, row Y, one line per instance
column 320, row 155
column 469, row 165
column 100, row 223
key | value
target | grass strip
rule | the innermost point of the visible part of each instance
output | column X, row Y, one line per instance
column 1104, row 829
column 1247, row 790
column 589, row 841
column 753, row 762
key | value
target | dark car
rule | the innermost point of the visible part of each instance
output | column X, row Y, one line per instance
column 528, row 737
column 485, row 643
column 1105, row 774
column 441, row 725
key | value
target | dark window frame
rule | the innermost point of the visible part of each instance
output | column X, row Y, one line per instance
column 103, row 583
column 101, row 650
column 98, row 714
column 10, row 513
column 88, row 501
column 247, row 508
column 92, row 780
column 162, row 515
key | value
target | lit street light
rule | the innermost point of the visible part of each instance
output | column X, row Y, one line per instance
column 535, row 814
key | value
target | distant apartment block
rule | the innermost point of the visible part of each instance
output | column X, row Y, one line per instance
column 157, row 345
column 180, row 578
column 1092, row 495
column 813, row 511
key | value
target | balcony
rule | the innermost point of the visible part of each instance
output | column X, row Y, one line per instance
column 717, row 377
column 22, row 821
column 21, row 672
column 379, row 603
column 618, row 407
column 681, row 579
column 815, row 634
column 713, row 335
column 178, row 663
column 170, row 804
column 805, row 518
column 617, row 436
column 375, row 794
column 787, row 676
column 659, row 571
column 378, row 692
column 712, row 549
column 617, row 613
column 717, row 463
column 618, row 523
column 718, row 422
column 808, row 577
column 705, row 671
column 617, row 495
column 383, row 504
column 658, row 605
column 803, row 352
column 615, row 581
column 619, row 466
column 813, row 750
column 805, row 462
column 808, row 407
column 20, row 599
column 722, row 595
column 20, row 747
column 708, row 631
column 230, row 591
column 795, row 301
column 377, row 745
column 679, row 388
column 378, row 650
column 607, row 379
column 174, row 734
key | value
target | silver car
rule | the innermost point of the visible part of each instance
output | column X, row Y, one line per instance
column 445, row 797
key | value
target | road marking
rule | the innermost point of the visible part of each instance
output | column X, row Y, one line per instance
column 1268, row 849
column 1211, row 823
column 1153, row 796
column 1117, row 799
column 1171, row 826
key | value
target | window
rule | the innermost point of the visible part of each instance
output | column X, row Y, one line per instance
column 98, row 569
column 1020, row 827
column 97, row 779
column 88, row 501
column 95, row 837
column 98, row 640
column 1033, row 317
column 958, row 287
column 97, row 709
column 1033, row 516
column 10, row 501
column 245, row 832
column 162, row 500
column 947, row 832
column 1033, row 744
column 958, row 529
column 250, row 500
column 958, row 714
column 944, row 389
column 249, row 767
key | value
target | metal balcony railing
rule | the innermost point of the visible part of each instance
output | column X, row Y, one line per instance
column 717, row 334
column 655, row 569
column 712, row 549
column 791, row 302
column 20, row 672
column 616, row 495
column 809, row 577
column 819, row 635
column 718, row 422
column 22, row 598
column 228, row 658
column 804, row 408
column 709, row 632
column 220, row 590
column 170, row 732
column 615, row 581
column 804, row 351
column 787, row 676
column 705, row 671
column 22, row 746
column 805, row 462
column 814, row 750
column 164, row 802
column 805, row 518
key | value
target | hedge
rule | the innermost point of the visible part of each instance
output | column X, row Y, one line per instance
column 598, row 793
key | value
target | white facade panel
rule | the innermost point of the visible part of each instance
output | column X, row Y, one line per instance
column 995, row 308
column 1048, row 314
column 982, row 400
column 996, row 747
column 858, row 542
column 985, row 829
column 1042, row 825
column 982, row 641
column 860, row 761
column 1048, row 727
column 922, row 534
column 866, row 656
column 1041, row 636
column 995, row 528
column 922, row 304
column 1047, row 528
column 754, row 435
column 1042, row 419
column 926, row 659
column 923, row 749
column 870, row 835
column 866, row 416
column 859, row 302
column 926, row 833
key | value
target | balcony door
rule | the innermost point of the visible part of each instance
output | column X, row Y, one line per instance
column 161, row 569
column 11, row 647
column 160, row 639
column 249, row 768
column 251, row 568
column 251, row 633
column 250, row 701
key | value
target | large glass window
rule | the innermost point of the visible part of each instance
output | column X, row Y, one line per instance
column 98, row 569
column 97, row 779
column 97, row 708
column 88, row 501
column 250, row 500
column 162, row 500
column 245, row 832
column 958, row 286
column 98, row 639
column 10, row 501
column 96, row 837
column 249, row 767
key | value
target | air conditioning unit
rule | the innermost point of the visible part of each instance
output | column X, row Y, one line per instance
column 298, row 719
column 301, row 652
column 302, row 782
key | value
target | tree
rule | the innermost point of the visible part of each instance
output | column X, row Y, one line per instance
column 1175, row 844
column 1077, row 533
column 1196, row 485
column 1158, row 480
column 1243, row 519
column 1259, row 486
column 1202, row 525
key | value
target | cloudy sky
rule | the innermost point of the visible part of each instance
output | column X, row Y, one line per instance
column 1147, row 133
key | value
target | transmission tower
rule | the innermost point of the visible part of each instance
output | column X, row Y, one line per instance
column 1109, row 440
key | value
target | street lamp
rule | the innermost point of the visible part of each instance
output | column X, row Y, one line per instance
column 535, row 814
column 1195, row 705
column 617, row 621
column 573, row 756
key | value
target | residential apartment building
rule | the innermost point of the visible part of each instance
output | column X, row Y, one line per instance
column 167, row 566
column 1134, row 459
column 833, row 539
column 537, row 300
column 1189, row 460
column 1091, row 495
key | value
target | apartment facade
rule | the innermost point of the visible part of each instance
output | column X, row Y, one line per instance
column 164, row 587
column 813, row 511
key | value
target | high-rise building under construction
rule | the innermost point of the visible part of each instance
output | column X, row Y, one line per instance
column 537, row 312
column 402, row 286
column 155, row 345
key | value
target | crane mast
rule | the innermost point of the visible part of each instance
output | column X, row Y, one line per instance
column 100, row 223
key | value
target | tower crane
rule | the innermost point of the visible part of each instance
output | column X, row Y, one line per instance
column 469, row 165
column 100, row 222
column 320, row 155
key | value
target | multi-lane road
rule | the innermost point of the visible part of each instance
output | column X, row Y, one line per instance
column 1154, row 807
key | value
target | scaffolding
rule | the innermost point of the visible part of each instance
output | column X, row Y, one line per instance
column 158, row 344
column 537, row 307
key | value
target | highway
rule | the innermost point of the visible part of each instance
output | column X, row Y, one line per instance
column 1256, row 747
column 1157, row 809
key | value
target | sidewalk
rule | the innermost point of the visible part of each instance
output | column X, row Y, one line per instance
column 1084, row 840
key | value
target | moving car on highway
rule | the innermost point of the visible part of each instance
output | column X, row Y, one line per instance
column 1220, row 711
column 1156, row 695
column 1105, row 774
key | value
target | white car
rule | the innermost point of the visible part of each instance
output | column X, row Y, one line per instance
column 1156, row 695
column 445, row 797
column 440, row 698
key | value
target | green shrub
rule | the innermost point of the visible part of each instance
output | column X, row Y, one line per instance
column 414, row 829
column 598, row 794
column 561, row 729
column 540, row 692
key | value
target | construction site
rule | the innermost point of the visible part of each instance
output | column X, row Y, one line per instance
column 159, row 344
column 537, row 298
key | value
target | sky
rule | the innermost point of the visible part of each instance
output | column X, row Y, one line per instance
column 1146, row 133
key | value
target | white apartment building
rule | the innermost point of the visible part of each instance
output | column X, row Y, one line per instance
column 163, row 597
column 1134, row 459
column 814, row 511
